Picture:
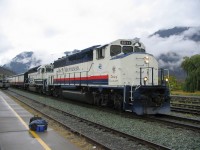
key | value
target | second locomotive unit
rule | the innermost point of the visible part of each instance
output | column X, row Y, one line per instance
column 4, row 82
column 119, row 74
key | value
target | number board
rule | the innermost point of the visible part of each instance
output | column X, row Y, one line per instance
column 125, row 42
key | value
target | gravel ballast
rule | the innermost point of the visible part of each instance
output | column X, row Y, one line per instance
column 175, row 138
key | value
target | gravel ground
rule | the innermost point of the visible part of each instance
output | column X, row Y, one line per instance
column 97, row 134
column 175, row 138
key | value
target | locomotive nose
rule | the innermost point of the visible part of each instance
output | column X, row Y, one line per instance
column 150, row 100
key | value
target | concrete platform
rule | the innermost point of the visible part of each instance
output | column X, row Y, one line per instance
column 15, row 134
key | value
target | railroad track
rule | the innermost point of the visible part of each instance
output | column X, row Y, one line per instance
column 171, row 120
column 186, row 105
column 178, row 121
column 185, row 99
column 98, row 131
column 185, row 110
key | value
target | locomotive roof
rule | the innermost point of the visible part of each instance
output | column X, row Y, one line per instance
column 33, row 69
column 89, row 49
column 82, row 56
column 81, row 52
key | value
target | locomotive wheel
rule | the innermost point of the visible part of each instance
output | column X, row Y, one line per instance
column 48, row 93
column 40, row 90
column 118, row 102
column 55, row 93
column 97, row 99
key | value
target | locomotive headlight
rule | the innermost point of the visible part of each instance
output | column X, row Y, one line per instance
column 145, row 79
column 166, row 79
column 146, row 59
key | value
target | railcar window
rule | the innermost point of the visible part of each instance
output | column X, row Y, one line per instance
column 127, row 49
column 100, row 53
column 115, row 50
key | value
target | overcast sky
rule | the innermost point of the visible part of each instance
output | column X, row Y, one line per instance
column 55, row 26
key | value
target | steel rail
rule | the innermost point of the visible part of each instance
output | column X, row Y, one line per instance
column 185, row 110
column 188, row 123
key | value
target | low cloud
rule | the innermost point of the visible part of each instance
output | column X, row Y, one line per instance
column 47, row 58
column 177, row 44
column 170, row 51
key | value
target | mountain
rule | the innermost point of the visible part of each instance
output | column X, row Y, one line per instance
column 192, row 33
column 172, row 61
column 6, row 72
column 169, row 32
column 22, row 62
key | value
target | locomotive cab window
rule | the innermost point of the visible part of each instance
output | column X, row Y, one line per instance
column 42, row 70
column 115, row 50
column 100, row 52
column 127, row 49
column 49, row 69
column 138, row 49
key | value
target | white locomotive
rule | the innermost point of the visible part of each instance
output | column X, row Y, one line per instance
column 119, row 74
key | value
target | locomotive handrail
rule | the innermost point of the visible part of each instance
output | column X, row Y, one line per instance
column 90, row 67
column 137, row 87
column 152, row 68
column 132, row 93
column 124, row 93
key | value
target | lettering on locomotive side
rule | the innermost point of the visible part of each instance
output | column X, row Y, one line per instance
column 75, row 68
column 113, row 78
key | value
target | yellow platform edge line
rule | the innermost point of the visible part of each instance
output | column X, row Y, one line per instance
column 34, row 134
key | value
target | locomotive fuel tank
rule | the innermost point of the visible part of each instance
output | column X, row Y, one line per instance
column 78, row 95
